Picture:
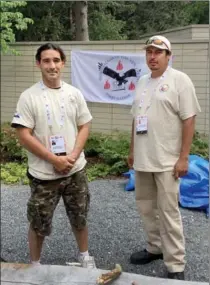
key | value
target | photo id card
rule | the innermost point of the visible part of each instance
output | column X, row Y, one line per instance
column 141, row 125
column 57, row 145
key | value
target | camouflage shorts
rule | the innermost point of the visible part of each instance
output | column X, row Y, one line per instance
column 45, row 196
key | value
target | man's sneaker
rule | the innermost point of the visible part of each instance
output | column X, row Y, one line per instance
column 176, row 275
column 144, row 257
column 87, row 261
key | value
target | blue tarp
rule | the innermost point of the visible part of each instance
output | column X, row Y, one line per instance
column 194, row 187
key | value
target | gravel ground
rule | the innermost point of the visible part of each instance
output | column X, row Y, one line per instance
column 115, row 231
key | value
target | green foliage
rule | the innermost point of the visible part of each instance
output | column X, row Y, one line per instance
column 200, row 146
column 10, row 148
column 112, row 150
column 11, row 20
column 115, row 148
column 110, row 20
column 105, row 26
column 152, row 16
column 106, row 155
column 14, row 173
column 198, row 12
column 99, row 170
column 93, row 144
column 51, row 21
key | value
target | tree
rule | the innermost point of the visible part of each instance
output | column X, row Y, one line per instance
column 51, row 21
column 56, row 20
column 107, row 20
column 80, row 10
column 154, row 16
column 11, row 20
column 67, row 20
column 198, row 12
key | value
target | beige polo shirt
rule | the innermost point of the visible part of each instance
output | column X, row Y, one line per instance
column 166, row 102
column 31, row 112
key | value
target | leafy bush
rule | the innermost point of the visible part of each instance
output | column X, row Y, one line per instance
column 106, row 154
column 10, row 148
column 93, row 144
column 112, row 150
column 99, row 170
column 115, row 149
column 13, row 173
column 200, row 146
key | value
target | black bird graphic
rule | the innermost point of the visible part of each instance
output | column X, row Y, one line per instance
column 121, row 79
column 115, row 75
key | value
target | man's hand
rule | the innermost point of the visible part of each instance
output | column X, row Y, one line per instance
column 130, row 160
column 180, row 168
column 63, row 164
column 71, row 159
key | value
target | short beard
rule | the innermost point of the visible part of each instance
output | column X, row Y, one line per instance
column 154, row 68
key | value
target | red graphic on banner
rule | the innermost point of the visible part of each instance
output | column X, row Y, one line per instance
column 119, row 65
column 107, row 85
column 131, row 86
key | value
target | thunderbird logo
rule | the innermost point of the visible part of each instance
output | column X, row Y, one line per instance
column 119, row 76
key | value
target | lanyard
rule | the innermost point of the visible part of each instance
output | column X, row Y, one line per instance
column 145, row 90
column 48, row 109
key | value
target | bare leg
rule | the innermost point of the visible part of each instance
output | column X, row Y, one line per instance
column 35, row 244
column 81, row 238
column 84, row 259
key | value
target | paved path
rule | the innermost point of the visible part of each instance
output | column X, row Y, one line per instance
column 115, row 232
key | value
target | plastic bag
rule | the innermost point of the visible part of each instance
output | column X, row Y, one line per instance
column 194, row 187
column 130, row 185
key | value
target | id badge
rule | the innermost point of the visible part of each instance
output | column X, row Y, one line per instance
column 57, row 145
column 141, row 125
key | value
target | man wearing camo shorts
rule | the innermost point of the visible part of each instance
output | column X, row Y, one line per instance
column 52, row 122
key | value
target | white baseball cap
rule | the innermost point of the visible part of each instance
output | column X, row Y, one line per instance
column 158, row 42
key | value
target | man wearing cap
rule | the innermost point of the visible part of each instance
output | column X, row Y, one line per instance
column 164, row 111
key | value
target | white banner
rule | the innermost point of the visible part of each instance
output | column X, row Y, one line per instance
column 107, row 77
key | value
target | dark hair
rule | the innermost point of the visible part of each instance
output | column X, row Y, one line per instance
column 48, row 46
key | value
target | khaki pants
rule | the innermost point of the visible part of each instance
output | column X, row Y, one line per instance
column 157, row 203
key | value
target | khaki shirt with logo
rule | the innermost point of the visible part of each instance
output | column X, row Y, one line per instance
column 31, row 113
column 173, row 101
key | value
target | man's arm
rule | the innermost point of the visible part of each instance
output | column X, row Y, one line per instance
column 188, row 128
column 28, row 141
column 83, row 133
column 130, row 157
column 132, row 140
column 181, row 167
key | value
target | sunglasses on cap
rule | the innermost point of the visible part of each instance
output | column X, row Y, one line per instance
column 157, row 42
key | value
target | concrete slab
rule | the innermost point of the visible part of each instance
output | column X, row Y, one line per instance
column 27, row 274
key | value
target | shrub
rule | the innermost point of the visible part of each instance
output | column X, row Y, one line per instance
column 200, row 146
column 114, row 152
column 93, row 144
column 13, row 173
column 111, row 149
column 10, row 148
column 99, row 170
column 107, row 154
